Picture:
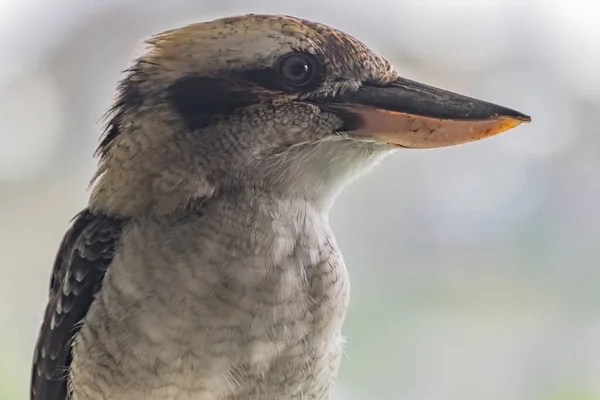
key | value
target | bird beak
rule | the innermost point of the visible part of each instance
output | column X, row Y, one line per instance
column 410, row 114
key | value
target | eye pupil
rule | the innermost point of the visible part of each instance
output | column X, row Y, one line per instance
column 297, row 70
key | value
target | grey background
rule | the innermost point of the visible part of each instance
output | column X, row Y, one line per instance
column 474, row 269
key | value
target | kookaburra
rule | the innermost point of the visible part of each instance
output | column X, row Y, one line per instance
column 204, row 267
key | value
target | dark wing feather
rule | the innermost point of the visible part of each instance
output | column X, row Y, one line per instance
column 83, row 257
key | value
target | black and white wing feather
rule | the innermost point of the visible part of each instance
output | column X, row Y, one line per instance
column 83, row 257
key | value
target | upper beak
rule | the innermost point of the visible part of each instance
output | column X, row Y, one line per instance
column 410, row 114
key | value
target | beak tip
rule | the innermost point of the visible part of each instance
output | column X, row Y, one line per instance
column 516, row 115
column 523, row 118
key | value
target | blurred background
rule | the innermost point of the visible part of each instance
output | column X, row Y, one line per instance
column 475, row 271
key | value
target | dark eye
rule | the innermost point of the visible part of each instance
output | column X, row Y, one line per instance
column 298, row 70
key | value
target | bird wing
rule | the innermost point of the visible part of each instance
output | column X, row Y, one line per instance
column 84, row 255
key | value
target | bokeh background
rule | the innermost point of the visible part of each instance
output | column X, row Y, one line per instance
column 475, row 269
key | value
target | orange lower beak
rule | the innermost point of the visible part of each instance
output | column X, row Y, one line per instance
column 419, row 132
column 409, row 114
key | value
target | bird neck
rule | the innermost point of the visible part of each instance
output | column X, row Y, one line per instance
column 318, row 171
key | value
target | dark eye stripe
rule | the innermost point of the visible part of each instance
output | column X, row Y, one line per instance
column 198, row 99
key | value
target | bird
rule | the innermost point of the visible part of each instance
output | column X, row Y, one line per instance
column 204, row 266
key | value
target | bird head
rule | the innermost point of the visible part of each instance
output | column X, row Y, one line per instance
column 267, row 103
